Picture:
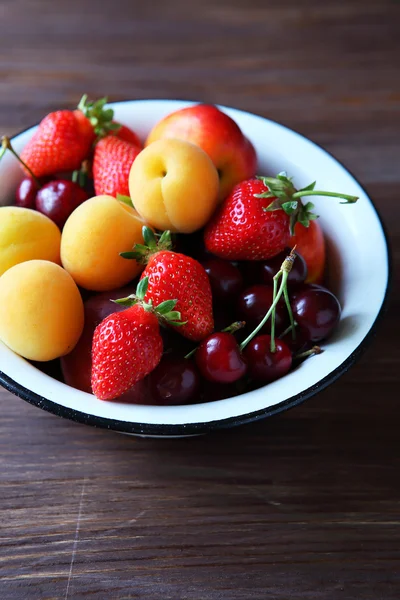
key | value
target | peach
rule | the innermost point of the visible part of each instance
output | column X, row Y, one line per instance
column 41, row 314
column 174, row 185
column 92, row 239
column 26, row 234
column 217, row 134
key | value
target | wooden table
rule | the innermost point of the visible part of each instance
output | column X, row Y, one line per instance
column 304, row 505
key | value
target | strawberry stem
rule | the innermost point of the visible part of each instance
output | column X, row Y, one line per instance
column 303, row 193
column 6, row 145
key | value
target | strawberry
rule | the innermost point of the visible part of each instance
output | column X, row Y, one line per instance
column 126, row 134
column 112, row 162
column 171, row 274
column 257, row 219
column 64, row 138
column 127, row 345
column 61, row 142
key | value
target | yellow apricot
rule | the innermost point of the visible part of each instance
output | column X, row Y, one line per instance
column 41, row 314
column 92, row 239
column 174, row 185
column 26, row 234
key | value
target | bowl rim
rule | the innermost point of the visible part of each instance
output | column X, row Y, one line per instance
column 172, row 430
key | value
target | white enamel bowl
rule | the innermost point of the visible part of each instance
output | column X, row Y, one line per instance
column 358, row 271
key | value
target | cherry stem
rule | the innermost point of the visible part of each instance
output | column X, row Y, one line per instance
column 6, row 145
column 273, row 314
column 307, row 353
column 234, row 327
column 288, row 329
column 289, row 309
column 190, row 354
column 302, row 193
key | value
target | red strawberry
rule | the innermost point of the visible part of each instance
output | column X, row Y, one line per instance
column 127, row 346
column 112, row 162
column 126, row 134
column 178, row 276
column 256, row 220
column 61, row 142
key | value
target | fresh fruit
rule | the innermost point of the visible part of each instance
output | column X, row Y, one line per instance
column 25, row 235
column 77, row 365
column 218, row 135
column 128, row 135
column 225, row 279
column 174, row 185
column 112, row 162
column 257, row 219
column 25, row 195
column 127, row 345
column 174, row 381
column 310, row 243
column 242, row 230
column 58, row 199
column 264, row 365
column 178, row 276
column 317, row 311
column 254, row 302
column 61, row 142
column 218, row 358
column 41, row 314
column 94, row 236
column 297, row 275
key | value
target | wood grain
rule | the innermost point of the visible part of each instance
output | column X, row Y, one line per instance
column 301, row 506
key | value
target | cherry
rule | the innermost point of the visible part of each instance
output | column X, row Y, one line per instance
column 254, row 302
column 219, row 359
column 174, row 381
column 57, row 199
column 317, row 311
column 269, row 269
column 299, row 344
column 265, row 366
column 225, row 279
column 25, row 195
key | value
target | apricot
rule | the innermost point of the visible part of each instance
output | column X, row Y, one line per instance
column 41, row 314
column 174, row 185
column 92, row 239
column 26, row 234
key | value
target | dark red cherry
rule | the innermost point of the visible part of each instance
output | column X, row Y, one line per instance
column 254, row 302
column 269, row 269
column 174, row 381
column 299, row 344
column 265, row 366
column 58, row 199
column 25, row 195
column 225, row 279
column 219, row 359
column 317, row 311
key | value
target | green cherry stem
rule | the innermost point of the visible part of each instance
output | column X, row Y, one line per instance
column 302, row 193
column 290, row 312
column 307, row 353
column 273, row 314
column 288, row 329
column 6, row 145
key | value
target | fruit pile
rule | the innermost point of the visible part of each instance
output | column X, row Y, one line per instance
column 165, row 275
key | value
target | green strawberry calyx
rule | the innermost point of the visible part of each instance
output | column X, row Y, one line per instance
column 142, row 252
column 164, row 311
column 100, row 117
column 287, row 198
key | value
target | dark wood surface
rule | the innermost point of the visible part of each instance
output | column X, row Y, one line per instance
column 304, row 505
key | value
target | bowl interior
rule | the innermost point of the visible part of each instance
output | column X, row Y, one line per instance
column 358, row 271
